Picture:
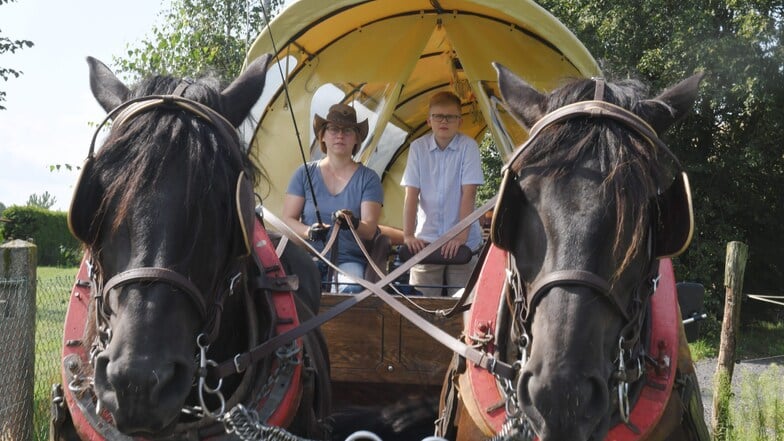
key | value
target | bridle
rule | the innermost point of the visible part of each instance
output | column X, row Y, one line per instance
column 524, row 296
column 209, row 311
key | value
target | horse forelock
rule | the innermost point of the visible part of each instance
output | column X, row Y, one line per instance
column 163, row 146
column 628, row 163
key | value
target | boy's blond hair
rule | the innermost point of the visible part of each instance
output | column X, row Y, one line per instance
column 445, row 98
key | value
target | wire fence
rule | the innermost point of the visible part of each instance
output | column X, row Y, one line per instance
column 30, row 360
column 52, row 302
column 16, row 357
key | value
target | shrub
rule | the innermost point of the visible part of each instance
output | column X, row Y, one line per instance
column 48, row 230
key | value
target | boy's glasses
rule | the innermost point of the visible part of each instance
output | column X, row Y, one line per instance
column 441, row 117
column 334, row 130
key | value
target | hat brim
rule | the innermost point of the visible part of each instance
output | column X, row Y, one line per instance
column 362, row 127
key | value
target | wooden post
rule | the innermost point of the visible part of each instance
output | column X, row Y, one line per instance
column 17, row 338
column 734, row 269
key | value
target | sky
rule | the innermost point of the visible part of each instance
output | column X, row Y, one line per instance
column 49, row 108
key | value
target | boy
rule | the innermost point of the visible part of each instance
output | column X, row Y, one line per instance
column 442, row 175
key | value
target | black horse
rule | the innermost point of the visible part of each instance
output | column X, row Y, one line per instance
column 587, row 207
column 166, row 212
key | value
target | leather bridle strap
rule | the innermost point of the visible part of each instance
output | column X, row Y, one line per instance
column 576, row 278
column 158, row 275
column 593, row 109
column 482, row 359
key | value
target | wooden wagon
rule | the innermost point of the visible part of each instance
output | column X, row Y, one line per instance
column 385, row 58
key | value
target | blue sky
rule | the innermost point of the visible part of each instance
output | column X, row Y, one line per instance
column 50, row 107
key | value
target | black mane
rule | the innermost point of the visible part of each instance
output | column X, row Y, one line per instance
column 630, row 164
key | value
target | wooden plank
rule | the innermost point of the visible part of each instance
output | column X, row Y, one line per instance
column 371, row 343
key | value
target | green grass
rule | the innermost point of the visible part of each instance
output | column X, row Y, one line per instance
column 53, row 290
column 756, row 339
column 757, row 411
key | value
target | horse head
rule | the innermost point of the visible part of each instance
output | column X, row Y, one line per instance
column 582, row 213
column 164, row 209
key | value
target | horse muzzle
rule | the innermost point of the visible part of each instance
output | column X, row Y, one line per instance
column 143, row 396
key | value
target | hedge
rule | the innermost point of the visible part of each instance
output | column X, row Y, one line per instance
column 47, row 229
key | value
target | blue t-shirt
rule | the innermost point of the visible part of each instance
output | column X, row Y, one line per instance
column 364, row 186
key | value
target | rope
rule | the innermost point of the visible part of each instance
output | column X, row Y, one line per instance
column 766, row 298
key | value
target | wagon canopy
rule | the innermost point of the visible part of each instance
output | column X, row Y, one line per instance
column 386, row 57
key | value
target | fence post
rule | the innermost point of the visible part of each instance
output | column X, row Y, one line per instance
column 17, row 338
column 734, row 269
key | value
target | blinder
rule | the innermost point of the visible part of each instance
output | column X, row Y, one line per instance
column 674, row 226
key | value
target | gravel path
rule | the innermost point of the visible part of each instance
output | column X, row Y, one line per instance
column 706, row 368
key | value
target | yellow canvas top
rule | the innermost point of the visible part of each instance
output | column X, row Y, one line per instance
column 386, row 57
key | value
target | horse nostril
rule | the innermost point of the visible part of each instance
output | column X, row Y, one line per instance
column 594, row 389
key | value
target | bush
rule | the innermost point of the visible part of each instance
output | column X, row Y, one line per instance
column 48, row 230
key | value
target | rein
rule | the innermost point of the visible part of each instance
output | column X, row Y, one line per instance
column 480, row 358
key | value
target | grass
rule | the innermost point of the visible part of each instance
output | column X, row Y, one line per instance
column 756, row 412
column 53, row 290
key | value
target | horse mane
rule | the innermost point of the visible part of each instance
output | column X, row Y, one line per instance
column 629, row 163
column 136, row 156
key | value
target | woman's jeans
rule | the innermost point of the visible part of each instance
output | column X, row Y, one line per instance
column 344, row 285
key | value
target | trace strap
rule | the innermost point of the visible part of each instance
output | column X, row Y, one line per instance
column 480, row 358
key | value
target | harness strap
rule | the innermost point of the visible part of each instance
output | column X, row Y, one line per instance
column 480, row 358
column 594, row 109
column 572, row 277
column 157, row 274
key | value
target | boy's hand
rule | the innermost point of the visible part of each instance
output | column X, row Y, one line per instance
column 414, row 245
column 449, row 250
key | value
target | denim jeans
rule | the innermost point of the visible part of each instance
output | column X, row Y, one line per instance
column 344, row 285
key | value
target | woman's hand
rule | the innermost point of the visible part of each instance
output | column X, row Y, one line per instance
column 318, row 232
column 339, row 218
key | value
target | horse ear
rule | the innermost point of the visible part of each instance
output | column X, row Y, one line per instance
column 109, row 91
column 243, row 92
column 671, row 105
column 524, row 102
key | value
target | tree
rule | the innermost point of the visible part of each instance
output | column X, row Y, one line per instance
column 2, row 208
column 8, row 45
column 731, row 145
column 45, row 201
column 491, row 169
column 199, row 36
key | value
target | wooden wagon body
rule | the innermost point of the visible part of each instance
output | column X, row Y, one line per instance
column 385, row 58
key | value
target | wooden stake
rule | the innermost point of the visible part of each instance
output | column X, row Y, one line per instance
column 734, row 269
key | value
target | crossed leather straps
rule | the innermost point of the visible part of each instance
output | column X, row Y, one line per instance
column 482, row 359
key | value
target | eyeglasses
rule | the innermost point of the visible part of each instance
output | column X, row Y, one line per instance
column 334, row 130
column 441, row 117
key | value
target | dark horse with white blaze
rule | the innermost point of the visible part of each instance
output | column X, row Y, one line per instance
column 166, row 211
column 588, row 207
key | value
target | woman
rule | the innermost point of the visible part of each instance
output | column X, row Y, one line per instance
column 342, row 187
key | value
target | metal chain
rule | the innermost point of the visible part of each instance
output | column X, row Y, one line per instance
column 245, row 424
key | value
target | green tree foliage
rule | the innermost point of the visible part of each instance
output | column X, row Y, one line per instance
column 732, row 144
column 491, row 169
column 45, row 201
column 47, row 229
column 199, row 36
column 9, row 45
